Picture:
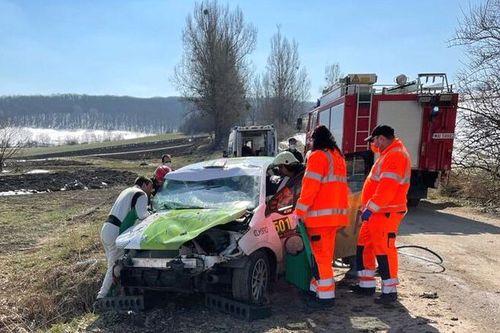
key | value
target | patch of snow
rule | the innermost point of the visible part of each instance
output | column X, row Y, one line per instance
column 36, row 171
column 17, row 192
column 49, row 136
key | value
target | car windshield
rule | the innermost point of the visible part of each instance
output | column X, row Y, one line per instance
column 212, row 193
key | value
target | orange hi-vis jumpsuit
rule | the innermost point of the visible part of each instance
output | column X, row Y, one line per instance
column 323, row 205
column 384, row 193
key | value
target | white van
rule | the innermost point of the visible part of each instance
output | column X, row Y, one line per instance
column 255, row 140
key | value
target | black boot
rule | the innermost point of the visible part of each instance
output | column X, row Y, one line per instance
column 307, row 296
column 363, row 291
column 318, row 303
column 386, row 298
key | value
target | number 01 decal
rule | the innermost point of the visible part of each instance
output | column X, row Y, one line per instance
column 282, row 225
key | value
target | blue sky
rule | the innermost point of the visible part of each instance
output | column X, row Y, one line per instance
column 121, row 47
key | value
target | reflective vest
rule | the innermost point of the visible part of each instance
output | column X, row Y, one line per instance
column 323, row 200
column 387, row 185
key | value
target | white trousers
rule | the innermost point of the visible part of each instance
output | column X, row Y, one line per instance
column 109, row 233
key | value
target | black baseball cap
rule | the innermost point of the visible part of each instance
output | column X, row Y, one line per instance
column 384, row 130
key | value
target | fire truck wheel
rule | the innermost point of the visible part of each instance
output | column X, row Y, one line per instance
column 413, row 202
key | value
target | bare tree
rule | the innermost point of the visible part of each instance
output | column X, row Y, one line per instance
column 479, row 86
column 257, row 101
column 214, row 72
column 332, row 76
column 11, row 140
column 285, row 82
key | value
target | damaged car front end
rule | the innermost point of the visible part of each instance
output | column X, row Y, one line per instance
column 210, row 233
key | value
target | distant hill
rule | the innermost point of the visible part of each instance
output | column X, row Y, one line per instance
column 69, row 111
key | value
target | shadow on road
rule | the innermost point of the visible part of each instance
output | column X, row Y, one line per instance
column 427, row 219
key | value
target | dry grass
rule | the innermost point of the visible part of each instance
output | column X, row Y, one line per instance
column 54, row 283
column 473, row 187
column 53, row 265
column 56, row 273
column 70, row 148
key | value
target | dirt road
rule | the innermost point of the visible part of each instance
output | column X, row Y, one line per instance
column 469, row 244
column 463, row 298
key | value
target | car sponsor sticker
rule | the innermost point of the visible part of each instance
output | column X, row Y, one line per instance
column 443, row 136
column 283, row 226
column 260, row 232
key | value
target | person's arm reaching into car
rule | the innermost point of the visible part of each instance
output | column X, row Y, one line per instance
column 141, row 207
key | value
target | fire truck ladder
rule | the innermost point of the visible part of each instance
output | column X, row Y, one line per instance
column 363, row 116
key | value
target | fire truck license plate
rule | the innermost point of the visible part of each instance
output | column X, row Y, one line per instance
column 443, row 136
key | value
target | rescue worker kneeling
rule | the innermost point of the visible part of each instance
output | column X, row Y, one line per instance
column 323, row 205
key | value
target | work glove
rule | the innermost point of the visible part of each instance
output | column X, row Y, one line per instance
column 365, row 215
column 275, row 179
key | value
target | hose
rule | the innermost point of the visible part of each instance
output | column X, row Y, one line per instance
column 439, row 262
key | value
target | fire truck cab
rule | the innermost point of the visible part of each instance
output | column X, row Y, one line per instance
column 422, row 113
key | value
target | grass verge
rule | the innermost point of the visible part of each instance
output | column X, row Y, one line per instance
column 52, row 259
column 473, row 188
column 56, row 274
column 68, row 148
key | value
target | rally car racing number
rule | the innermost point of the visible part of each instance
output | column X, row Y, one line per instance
column 282, row 225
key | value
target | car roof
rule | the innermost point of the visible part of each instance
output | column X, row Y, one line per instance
column 222, row 168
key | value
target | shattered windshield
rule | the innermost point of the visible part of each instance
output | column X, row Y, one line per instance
column 212, row 193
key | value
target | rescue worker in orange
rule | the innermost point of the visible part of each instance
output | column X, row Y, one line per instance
column 323, row 206
column 383, row 205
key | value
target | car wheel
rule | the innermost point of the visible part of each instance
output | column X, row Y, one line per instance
column 251, row 282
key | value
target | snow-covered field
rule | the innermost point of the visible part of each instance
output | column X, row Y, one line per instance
column 48, row 136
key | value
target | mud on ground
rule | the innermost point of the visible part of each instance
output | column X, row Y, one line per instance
column 79, row 177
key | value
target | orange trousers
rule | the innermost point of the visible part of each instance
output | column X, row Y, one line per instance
column 377, row 244
column 322, row 241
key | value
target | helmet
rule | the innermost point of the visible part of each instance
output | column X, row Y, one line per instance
column 285, row 158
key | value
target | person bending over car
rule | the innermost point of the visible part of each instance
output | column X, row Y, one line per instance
column 131, row 204
column 288, row 188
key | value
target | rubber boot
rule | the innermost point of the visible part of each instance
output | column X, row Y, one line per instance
column 363, row 291
column 386, row 298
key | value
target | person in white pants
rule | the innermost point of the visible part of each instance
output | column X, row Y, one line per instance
column 131, row 204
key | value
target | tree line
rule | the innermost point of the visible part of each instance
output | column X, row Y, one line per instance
column 70, row 111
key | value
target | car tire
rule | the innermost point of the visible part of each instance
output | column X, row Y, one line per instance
column 250, row 283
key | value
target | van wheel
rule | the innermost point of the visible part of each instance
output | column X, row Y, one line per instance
column 251, row 282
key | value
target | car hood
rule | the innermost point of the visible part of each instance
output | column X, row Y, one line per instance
column 168, row 230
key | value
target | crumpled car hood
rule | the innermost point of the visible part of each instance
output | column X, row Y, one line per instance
column 168, row 230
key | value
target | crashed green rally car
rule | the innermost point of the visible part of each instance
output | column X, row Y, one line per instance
column 216, row 228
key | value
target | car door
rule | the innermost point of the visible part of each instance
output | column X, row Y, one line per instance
column 280, row 207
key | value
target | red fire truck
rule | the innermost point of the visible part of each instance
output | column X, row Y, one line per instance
column 422, row 113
